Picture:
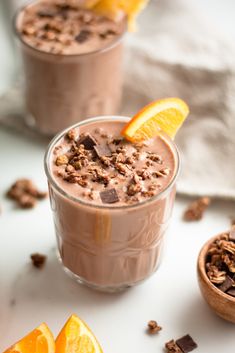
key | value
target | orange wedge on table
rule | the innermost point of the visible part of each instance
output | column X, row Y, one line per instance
column 116, row 8
column 165, row 115
column 39, row 340
column 76, row 337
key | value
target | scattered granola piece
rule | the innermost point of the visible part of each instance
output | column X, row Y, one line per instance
column 153, row 327
column 25, row 193
column 196, row 209
column 171, row 347
column 38, row 260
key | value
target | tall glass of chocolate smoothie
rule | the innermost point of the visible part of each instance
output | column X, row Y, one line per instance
column 111, row 200
column 72, row 63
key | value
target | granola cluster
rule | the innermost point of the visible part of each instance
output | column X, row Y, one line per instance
column 109, row 168
column 25, row 193
column 196, row 209
column 153, row 327
column 61, row 27
column 220, row 262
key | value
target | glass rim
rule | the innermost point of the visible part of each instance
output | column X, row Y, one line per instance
column 51, row 179
column 103, row 49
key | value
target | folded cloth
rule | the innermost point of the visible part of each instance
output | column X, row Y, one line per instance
column 179, row 53
column 176, row 52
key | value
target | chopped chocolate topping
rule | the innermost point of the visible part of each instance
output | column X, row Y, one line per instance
column 109, row 196
column 92, row 162
column 227, row 284
column 83, row 36
column 87, row 141
column 25, row 193
column 196, row 209
column 103, row 150
column 38, row 260
column 153, row 327
column 186, row 343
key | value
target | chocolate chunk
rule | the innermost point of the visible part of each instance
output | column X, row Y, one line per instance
column 38, row 260
column 232, row 233
column 83, row 36
column 227, row 284
column 186, row 343
column 103, row 151
column 46, row 13
column 109, row 196
column 231, row 292
column 88, row 141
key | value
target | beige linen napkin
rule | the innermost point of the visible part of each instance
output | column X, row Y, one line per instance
column 178, row 53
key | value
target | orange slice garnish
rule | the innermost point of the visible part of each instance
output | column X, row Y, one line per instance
column 115, row 9
column 165, row 115
column 76, row 337
column 39, row 340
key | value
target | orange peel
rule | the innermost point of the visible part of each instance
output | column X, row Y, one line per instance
column 39, row 340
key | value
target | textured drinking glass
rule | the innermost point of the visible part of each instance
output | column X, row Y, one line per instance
column 61, row 90
column 109, row 248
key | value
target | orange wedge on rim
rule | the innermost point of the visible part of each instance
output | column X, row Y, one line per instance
column 165, row 115
column 115, row 8
column 76, row 337
column 39, row 340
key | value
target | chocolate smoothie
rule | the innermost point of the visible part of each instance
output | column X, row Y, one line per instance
column 111, row 200
column 72, row 62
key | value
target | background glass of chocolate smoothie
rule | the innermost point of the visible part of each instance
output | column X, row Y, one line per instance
column 111, row 200
column 72, row 63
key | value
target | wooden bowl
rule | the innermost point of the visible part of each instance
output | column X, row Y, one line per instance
column 221, row 303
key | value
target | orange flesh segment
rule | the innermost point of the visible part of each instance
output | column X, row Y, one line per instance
column 115, row 9
column 165, row 115
column 39, row 340
column 76, row 337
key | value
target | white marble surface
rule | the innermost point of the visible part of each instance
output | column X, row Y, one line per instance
column 29, row 296
column 171, row 296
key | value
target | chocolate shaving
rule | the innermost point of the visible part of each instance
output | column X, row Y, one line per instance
column 87, row 141
column 38, row 260
column 103, row 151
column 186, row 343
column 109, row 196
column 83, row 36
column 227, row 284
